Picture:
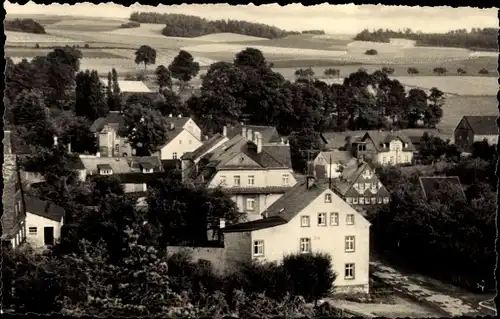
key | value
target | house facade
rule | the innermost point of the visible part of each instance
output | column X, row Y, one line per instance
column 253, row 175
column 184, row 137
column 360, row 187
column 308, row 218
column 329, row 164
column 472, row 129
column 384, row 148
column 43, row 222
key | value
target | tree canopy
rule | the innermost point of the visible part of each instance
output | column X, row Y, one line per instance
column 24, row 25
column 146, row 55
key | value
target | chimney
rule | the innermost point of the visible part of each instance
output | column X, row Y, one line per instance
column 258, row 142
column 172, row 126
column 224, row 130
column 249, row 135
column 170, row 115
column 310, row 181
column 98, row 154
column 69, row 147
column 206, row 137
column 282, row 141
column 55, row 140
column 243, row 131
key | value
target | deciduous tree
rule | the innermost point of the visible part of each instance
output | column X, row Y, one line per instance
column 90, row 97
column 145, row 54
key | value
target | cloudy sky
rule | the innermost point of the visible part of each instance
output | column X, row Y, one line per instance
column 342, row 19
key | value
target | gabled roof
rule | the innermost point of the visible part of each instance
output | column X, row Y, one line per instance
column 103, row 166
column 336, row 140
column 280, row 152
column 483, row 125
column 336, row 156
column 382, row 137
column 113, row 119
column 349, row 176
column 92, row 164
column 269, row 133
column 431, row 184
column 205, row 147
column 284, row 209
column 129, row 86
column 43, row 208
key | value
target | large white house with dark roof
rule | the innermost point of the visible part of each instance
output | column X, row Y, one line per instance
column 184, row 136
column 255, row 176
column 308, row 218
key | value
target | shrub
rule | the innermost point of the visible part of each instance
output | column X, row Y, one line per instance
column 387, row 70
column 130, row 24
column 37, row 46
column 371, row 52
column 412, row 70
column 483, row 71
column 440, row 70
column 86, row 46
column 461, row 71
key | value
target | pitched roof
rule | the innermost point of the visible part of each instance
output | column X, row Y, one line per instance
column 483, row 125
column 255, row 225
column 118, row 165
column 382, row 137
column 431, row 184
column 269, row 133
column 113, row 119
column 294, row 201
column 280, row 152
column 336, row 156
column 129, row 86
column 336, row 140
column 103, row 166
column 349, row 176
column 258, row 190
column 43, row 208
column 203, row 148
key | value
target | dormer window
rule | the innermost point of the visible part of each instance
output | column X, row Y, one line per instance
column 105, row 169
column 147, row 170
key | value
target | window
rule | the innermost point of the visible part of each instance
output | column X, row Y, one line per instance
column 328, row 198
column 350, row 219
column 367, row 200
column 174, row 155
column 190, row 127
column 180, row 141
column 250, row 203
column 361, row 187
column 32, row 230
column 106, row 172
column 236, row 180
column 407, row 159
column 379, row 200
column 354, row 200
column 251, row 179
column 334, row 219
column 384, row 160
column 322, row 219
column 386, row 200
column 16, row 208
column 222, row 179
column 349, row 271
column 305, row 245
column 361, row 200
column 368, row 172
column 367, row 185
column 348, row 200
column 392, row 159
column 399, row 158
column 374, row 200
column 374, row 186
column 349, row 244
column 285, row 179
column 258, row 248
column 147, row 170
column 189, row 142
column 305, row 221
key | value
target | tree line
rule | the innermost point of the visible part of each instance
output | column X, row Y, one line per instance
column 24, row 25
column 476, row 38
column 181, row 25
column 448, row 234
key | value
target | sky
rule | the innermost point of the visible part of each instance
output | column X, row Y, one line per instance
column 341, row 19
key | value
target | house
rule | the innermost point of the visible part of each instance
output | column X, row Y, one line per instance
column 359, row 186
column 43, row 221
column 308, row 218
column 472, row 129
column 252, row 175
column 184, row 135
column 383, row 148
column 415, row 135
column 13, row 220
column 431, row 184
column 328, row 164
column 339, row 140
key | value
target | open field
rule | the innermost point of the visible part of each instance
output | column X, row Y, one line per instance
column 145, row 30
column 86, row 24
column 472, row 85
column 44, row 20
column 31, row 52
column 32, row 38
column 304, row 41
column 458, row 106
column 229, row 37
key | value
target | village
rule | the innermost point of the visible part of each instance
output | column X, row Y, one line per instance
column 243, row 194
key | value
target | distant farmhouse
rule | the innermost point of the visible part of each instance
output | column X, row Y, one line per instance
column 476, row 129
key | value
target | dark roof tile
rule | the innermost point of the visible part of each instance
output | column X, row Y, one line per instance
column 255, row 225
column 483, row 125
column 43, row 208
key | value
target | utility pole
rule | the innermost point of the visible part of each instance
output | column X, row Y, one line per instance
column 308, row 152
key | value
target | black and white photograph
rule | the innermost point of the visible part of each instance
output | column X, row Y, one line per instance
column 209, row 160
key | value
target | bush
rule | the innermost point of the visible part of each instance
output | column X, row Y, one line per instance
column 413, row 71
column 371, row 52
column 461, row 71
column 24, row 25
column 37, row 46
column 86, row 46
column 483, row 72
column 130, row 24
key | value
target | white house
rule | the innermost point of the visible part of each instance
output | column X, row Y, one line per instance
column 184, row 136
column 308, row 218
column 43, row 222
column 328, row 164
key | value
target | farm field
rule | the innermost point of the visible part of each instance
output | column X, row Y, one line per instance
column 145, row 30
column 86, row 24
column 229, row 37
column 32, row 38
column 31, row 52
column 304, row 41
column 458, row 106
column 460, row 85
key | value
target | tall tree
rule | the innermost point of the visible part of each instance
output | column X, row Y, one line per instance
column 434, row 112
column 183, row 67
column 147, row 129
column 304, row 146
column 416, row 102
column 28, row 108
column 145, row 54
column 171, row 103
column 163, row 78
column 251, row 57
column 90, row 98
